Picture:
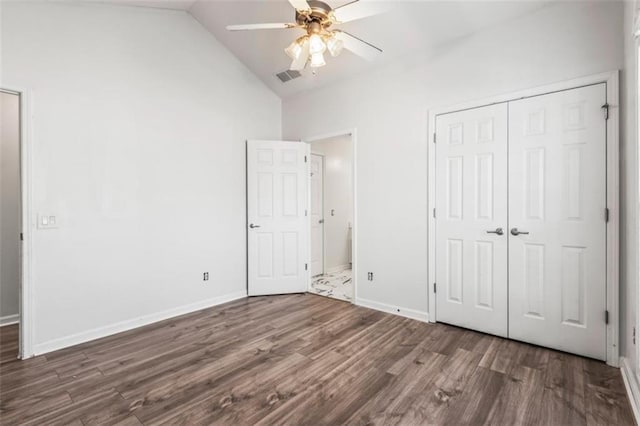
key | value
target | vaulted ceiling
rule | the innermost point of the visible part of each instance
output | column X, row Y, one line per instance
column 408, row 27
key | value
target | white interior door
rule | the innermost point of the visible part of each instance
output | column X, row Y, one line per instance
column 557, row 200
column 471, row 219
column 277, row 227
column 317, row 214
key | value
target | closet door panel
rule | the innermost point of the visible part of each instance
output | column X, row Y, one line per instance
column 471, row 199
column 557, row 201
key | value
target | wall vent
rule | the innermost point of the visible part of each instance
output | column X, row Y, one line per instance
column 288, row 75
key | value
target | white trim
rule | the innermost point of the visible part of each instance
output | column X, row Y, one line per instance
column 338, row 268
column 613, row 226
column 97, row 333
column 9, row 320
column 26, row 314
column 634, row 142
column 354, row 225
column 613, row 126
column 632, row 386
column 395, row 310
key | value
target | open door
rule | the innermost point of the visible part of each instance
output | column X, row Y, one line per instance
column 277, row 173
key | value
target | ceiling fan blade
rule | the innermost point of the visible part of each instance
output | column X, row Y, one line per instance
column 301, row 62
column 300, row 4
column 248, row 27
column 359, row 9
column 358, row 46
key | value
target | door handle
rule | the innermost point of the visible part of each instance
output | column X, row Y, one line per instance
column 254, row 226
column 515, row 232
column 498, row 231
column 321, row 221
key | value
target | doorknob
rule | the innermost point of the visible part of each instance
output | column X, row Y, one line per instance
column 498, row 231
column 515, row 232
column 254, row 226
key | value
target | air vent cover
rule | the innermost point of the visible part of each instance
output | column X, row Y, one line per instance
column 288, row 75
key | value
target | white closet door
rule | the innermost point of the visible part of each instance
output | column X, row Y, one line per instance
column 557, row 200
column 471, row 200
column 277, row 227
column 317, row 214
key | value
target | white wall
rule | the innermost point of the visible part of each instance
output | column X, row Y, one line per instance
column 389, row 109
column 140, row 118
column 338, row 196
column 9, row 206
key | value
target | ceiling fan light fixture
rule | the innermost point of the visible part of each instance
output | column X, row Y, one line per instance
column 316, row 44
column 334, row 45
column 317, row 60
column 294, row 50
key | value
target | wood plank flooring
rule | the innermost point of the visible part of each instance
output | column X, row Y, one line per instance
column 307, row 360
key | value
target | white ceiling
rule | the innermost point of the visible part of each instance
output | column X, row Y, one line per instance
column 409, row 26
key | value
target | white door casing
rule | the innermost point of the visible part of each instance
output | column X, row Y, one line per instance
column 557, row 193
column 471, row 199
column 277, row 235
column 316, row 212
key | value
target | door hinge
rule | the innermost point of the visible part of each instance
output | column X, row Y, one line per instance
column 606, row 214
column 306, row 266
column 305, row 158
column 605, row 108
column 434, row 213
column 606, row 317
column 434, row 288
column 434, row 138
column 305, row 212
column 21, row 237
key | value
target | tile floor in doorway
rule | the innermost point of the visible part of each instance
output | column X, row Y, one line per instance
column 337, row 285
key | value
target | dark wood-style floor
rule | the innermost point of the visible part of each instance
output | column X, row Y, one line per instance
column 305, row 359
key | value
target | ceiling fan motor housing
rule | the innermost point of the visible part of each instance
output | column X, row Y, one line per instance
column 317, row 19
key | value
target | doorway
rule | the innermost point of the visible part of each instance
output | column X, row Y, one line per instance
column 10, row 222
column 331, row 217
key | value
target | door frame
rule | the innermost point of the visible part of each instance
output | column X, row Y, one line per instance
column 26, row 314
column 611, row 79
column 353, row 132
column 324, row 234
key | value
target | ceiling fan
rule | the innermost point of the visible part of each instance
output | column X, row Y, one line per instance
column 317, row 18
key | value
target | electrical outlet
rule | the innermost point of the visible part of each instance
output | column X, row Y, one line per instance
column 370, row 276
column 205, row 276
column 47, row 221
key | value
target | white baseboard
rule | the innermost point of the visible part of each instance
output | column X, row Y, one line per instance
column 338, row 268
column 97, row 333
column 396, row 310
column 633, row 387
column 9, row 319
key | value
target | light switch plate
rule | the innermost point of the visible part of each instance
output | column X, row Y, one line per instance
column 47, row 221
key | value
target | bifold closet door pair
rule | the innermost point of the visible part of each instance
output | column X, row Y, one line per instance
column 520, row 220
